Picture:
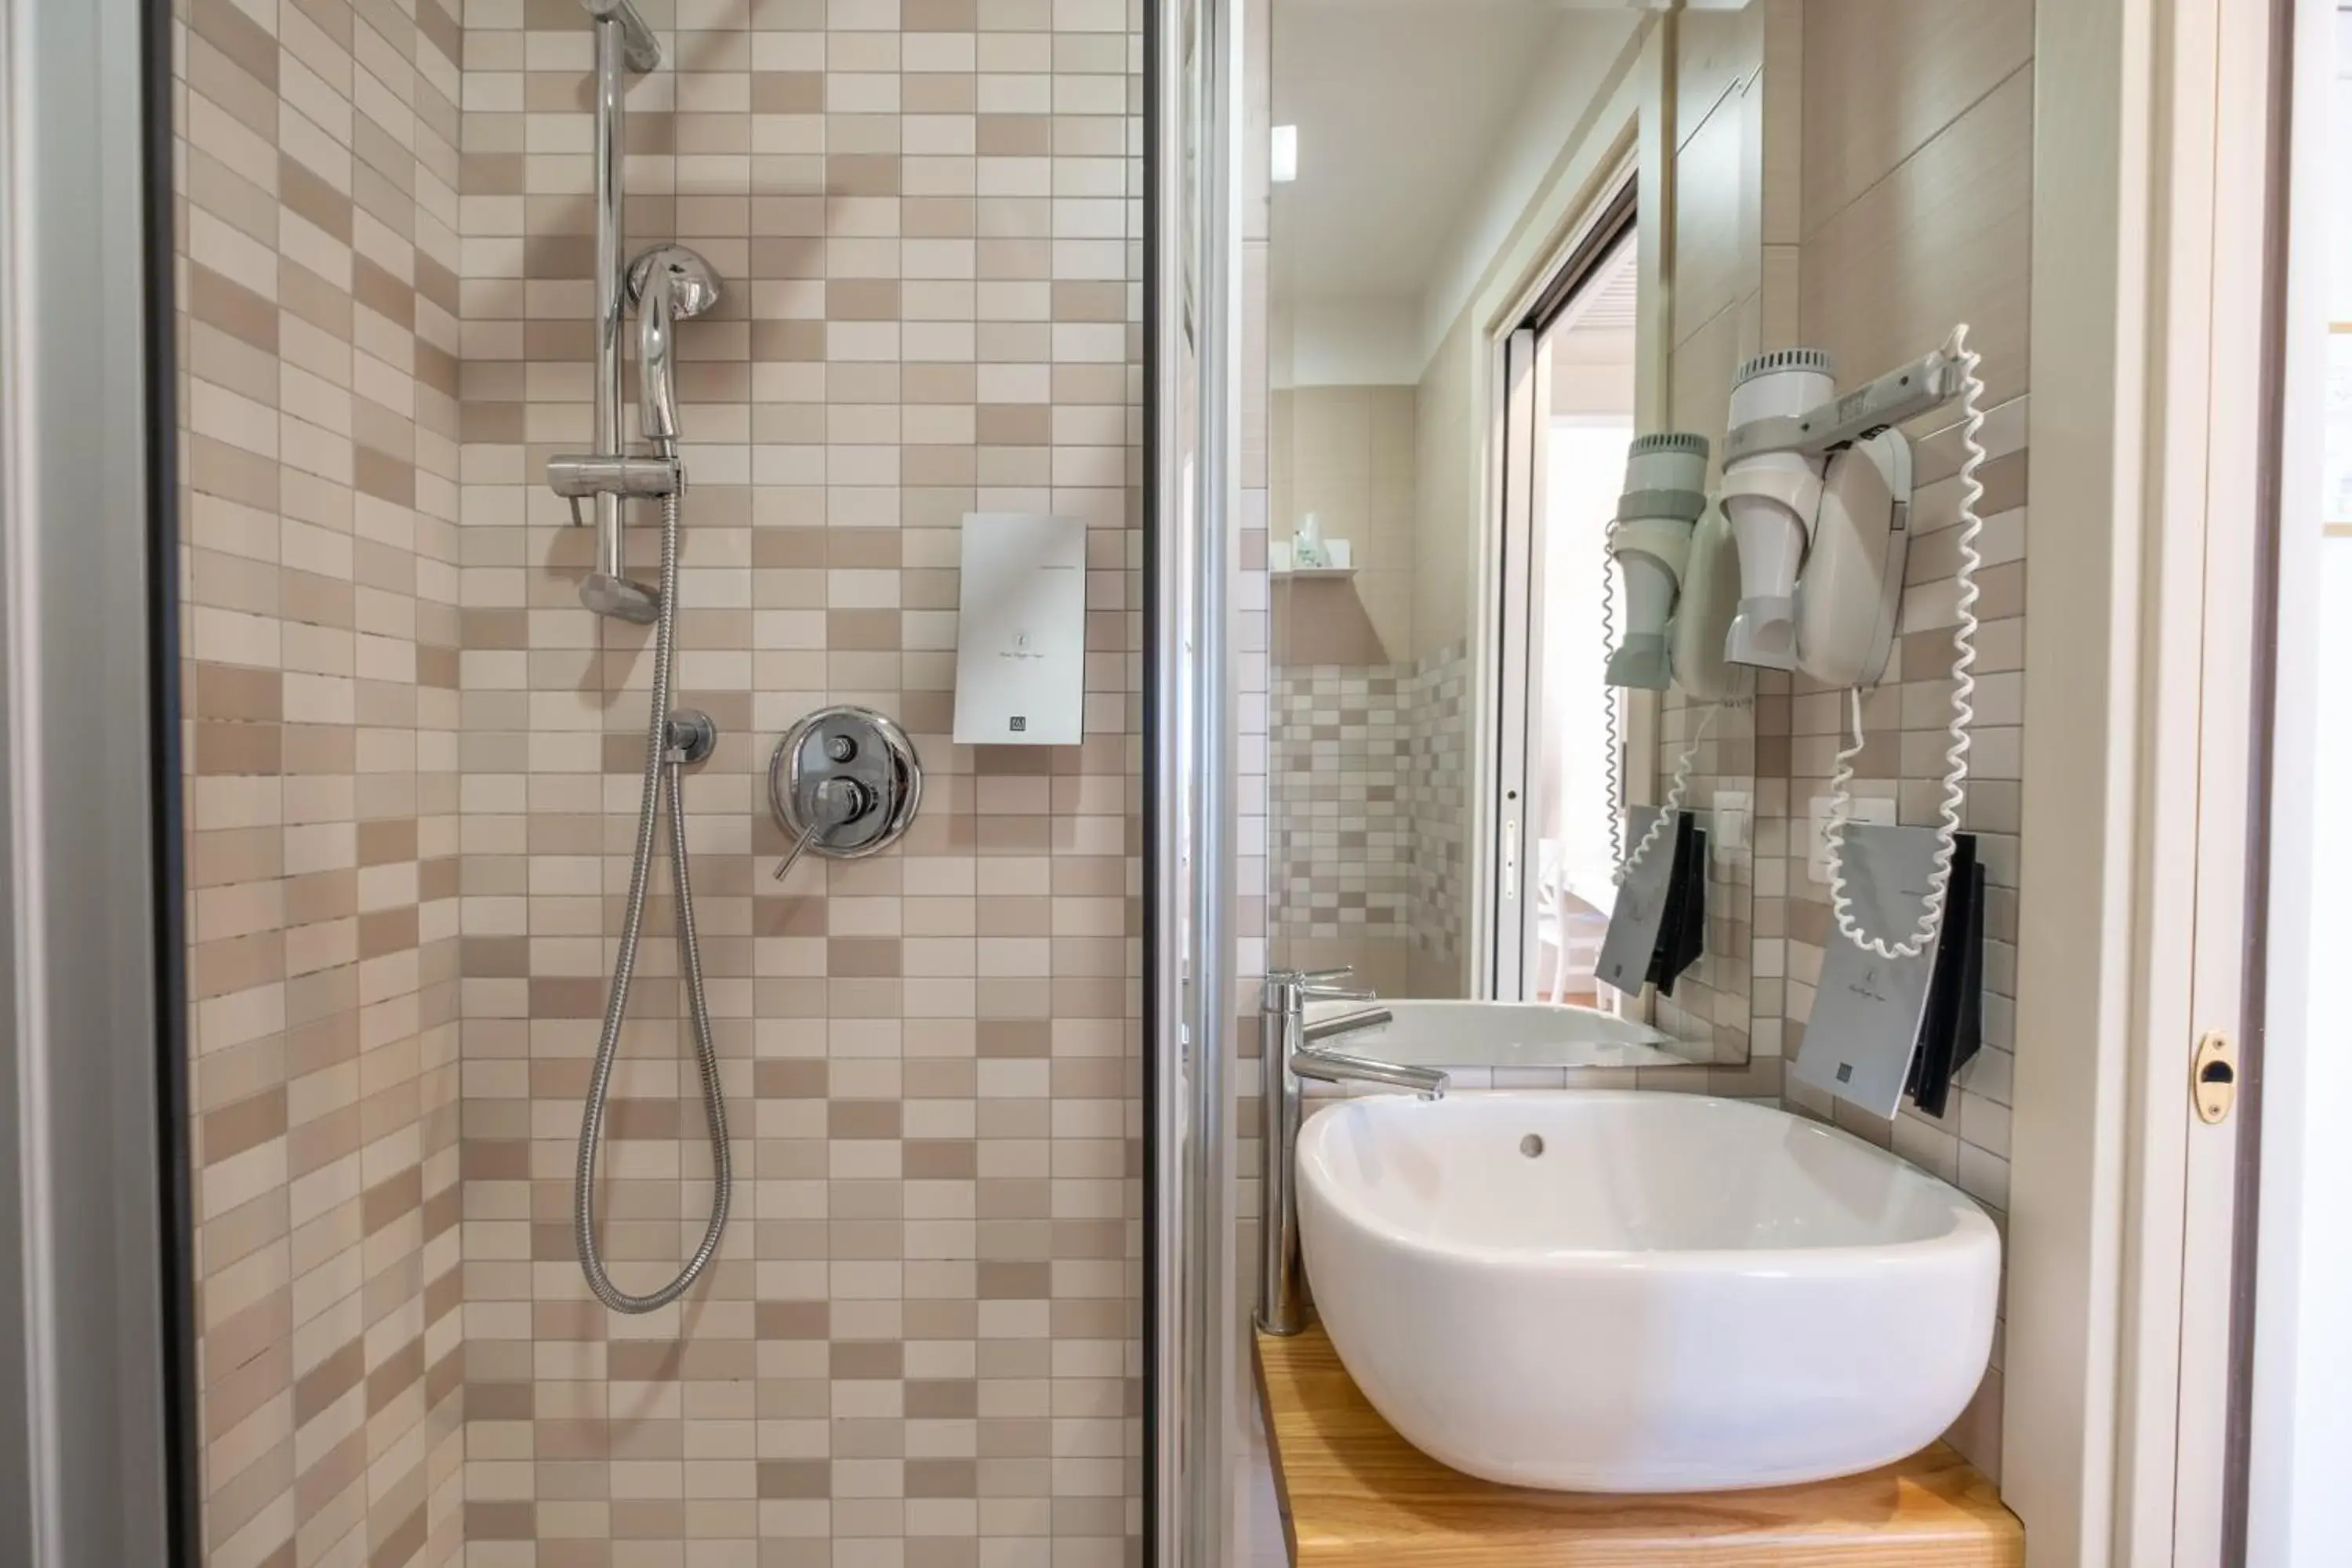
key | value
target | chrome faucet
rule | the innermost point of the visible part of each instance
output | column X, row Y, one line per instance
column 1293, row 1051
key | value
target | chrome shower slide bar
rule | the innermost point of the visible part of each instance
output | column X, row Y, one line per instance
column 638, row 45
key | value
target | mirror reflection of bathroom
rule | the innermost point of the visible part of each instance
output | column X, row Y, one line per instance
column 1458, row 769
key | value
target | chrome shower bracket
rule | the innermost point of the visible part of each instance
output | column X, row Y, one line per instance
column 691, row 736
column 577, row 476
column 844, row 782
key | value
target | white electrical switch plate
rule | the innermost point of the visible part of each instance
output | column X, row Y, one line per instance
column 1021, row 631
column 1727, row 832
column 1865, row 808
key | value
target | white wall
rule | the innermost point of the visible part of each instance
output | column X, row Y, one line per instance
column 1346, row 343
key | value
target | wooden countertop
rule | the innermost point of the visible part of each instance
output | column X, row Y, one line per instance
column 1356, row 1495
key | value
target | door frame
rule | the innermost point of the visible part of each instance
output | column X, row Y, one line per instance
column 2151, row 151
column 1516, row 614
column 1626, row 144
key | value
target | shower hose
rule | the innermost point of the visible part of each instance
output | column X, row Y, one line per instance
column 664, row 764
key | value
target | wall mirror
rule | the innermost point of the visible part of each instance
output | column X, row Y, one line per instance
column 1466, row 331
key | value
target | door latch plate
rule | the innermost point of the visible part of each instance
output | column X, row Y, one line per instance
column 2213, row 1078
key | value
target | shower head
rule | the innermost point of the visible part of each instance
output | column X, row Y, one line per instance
column 667, row 283
column 620, row 598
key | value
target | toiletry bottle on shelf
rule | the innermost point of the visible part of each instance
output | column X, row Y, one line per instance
column 1307, row 552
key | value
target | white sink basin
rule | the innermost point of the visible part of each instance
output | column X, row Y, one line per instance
column 1500, row 1035
column 1642, row 1292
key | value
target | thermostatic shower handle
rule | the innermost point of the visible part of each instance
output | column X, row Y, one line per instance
column 839, row 802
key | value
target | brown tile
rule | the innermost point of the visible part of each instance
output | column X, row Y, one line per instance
column 257, row 748
column 788, row 92
column 327, row 1381
column 942, row 1399
column 783, row 1478
column 499, row 1520
column 864, row 1360
column 1014, row 136
column 1003, row 1281
column 1005, row 1037
column 861, row 174
column 236, row 36
column 398, row 1372
column 942, row 1478
column 789, row 1079
column 311, row 198
column 939, row 15
column 385, row 477
column 862, row 299
column 219, row 301
column 380, row 291
column 862, row 1118
column 400, row 1544
column 233, row 1129
column 940, row 1160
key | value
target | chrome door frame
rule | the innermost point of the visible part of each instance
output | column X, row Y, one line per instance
column 95, row 1437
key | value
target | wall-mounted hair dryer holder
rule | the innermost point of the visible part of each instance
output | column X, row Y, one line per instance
column 1821, row 504
column 1852, row 589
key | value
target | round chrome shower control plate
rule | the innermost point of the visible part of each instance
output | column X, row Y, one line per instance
column 853, row 744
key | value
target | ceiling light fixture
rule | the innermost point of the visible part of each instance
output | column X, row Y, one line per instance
column 1284, row 165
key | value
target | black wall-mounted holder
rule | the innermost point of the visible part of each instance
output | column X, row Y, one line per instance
column 1682, row 929
column 1882, row 1028
column 1951, row 1029
column 1658, row 928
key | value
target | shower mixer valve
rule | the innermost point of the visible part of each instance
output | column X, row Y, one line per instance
column 845, row 783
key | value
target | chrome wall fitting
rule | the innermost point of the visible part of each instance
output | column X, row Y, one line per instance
column 692, row 735
column 843, row 781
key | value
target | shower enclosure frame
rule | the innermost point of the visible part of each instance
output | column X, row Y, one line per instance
column 99, row 1448
column 98, row 1439
column 1192, row 55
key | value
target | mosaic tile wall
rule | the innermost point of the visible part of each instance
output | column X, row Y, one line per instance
column 1438, row 805
column 1341, row 838
column 921, row 1346
column 1947, row 186
column 1968, row 1145
column 316, row 172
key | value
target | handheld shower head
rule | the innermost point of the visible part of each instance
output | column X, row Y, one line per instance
column 667, row 284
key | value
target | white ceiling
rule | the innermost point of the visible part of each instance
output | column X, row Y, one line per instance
column 1403, row 107
column 1396, row 106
